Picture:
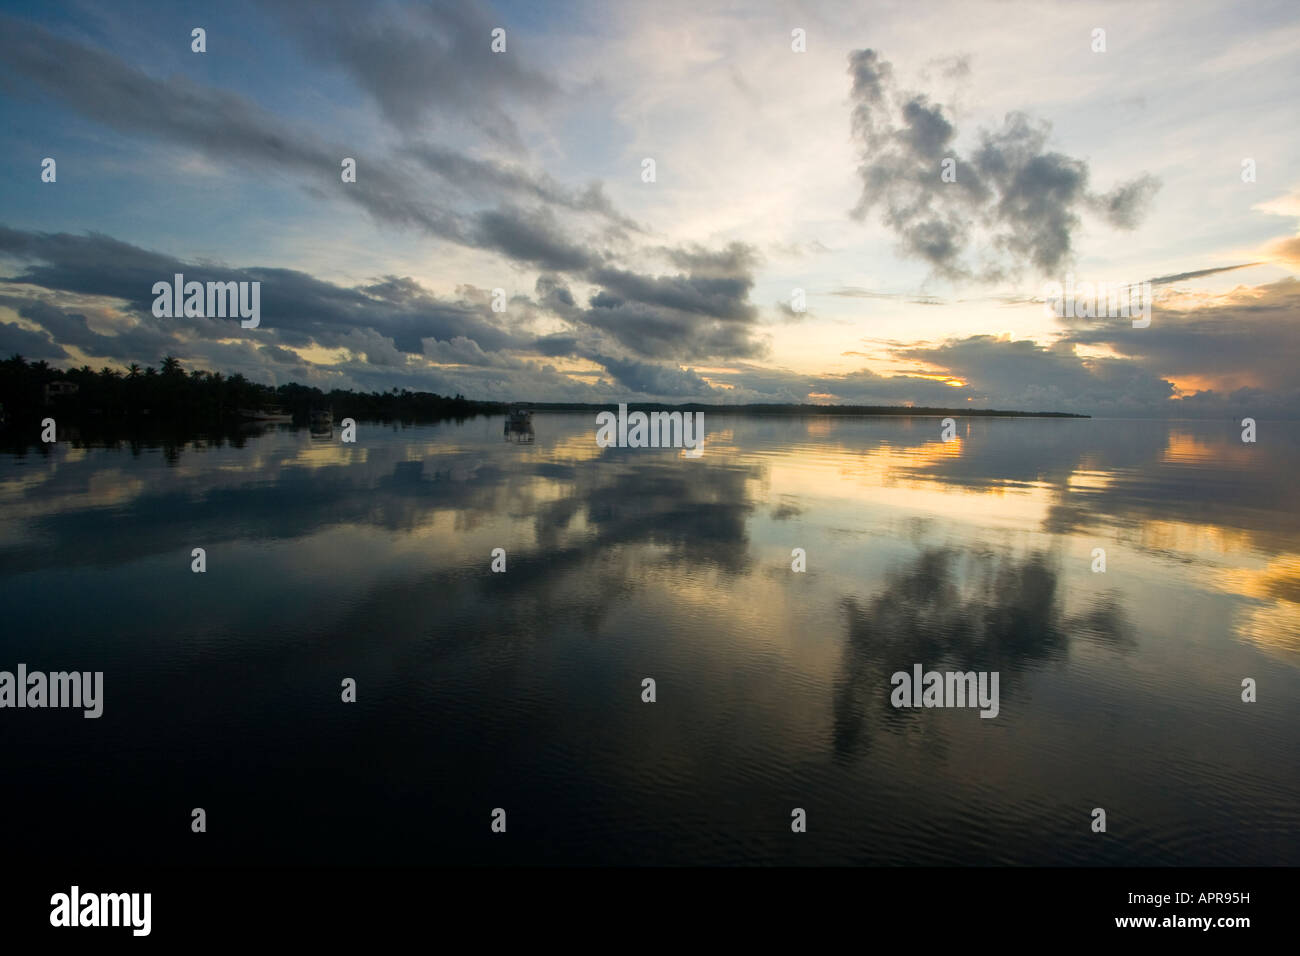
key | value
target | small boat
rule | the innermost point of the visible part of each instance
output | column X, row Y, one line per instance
column 321, row 417
column 519, row 423
column 272, row 413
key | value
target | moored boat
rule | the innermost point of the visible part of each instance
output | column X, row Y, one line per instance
column 519, row 423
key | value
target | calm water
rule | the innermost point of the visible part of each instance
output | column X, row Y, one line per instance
column 522, row 690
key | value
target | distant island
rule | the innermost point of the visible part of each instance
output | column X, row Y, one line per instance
column 170, row 399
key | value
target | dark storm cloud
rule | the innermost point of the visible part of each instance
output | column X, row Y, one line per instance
column 1246, row 345
column 554, row 295
column 464, row 351
column 1251, row 337
column 14, row 339
column 385, row 322
column 1026, row 199
column 658, row 332
column 534, row 237
column 1024, row 375
column 990, row 373
column 758, row 383
column 702, row 313
column 557, row 345
column 422, row 62
column 92, row 264
column 653, row 378
column 662, row 320
column 296, row 309
column 865, row 387
column 718, row 297
column 282, row 356
column 68, row 327
column 633, row 375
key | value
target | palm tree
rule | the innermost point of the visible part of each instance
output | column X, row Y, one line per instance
column 133, row 371
column 171, row 365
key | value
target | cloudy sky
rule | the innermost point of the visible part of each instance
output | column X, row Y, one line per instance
column 779, row 176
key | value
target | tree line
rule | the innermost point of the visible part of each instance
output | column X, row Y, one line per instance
column 170, row 395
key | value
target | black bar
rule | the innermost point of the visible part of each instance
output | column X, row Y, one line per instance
column 978, row 905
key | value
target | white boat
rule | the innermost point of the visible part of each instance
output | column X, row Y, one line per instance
column 519, row 423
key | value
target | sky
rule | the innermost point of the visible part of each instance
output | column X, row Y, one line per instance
column 850, row 203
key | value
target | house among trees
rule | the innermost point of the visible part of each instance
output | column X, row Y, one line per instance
column 58, row 389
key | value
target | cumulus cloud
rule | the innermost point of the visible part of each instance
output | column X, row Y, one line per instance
column 701, row 313
column 1023, row 375
column 296, row 307
column 1022, row 200
column 654, row 378
column 400, row 333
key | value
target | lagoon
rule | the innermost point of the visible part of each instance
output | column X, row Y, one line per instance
column 523, row 690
